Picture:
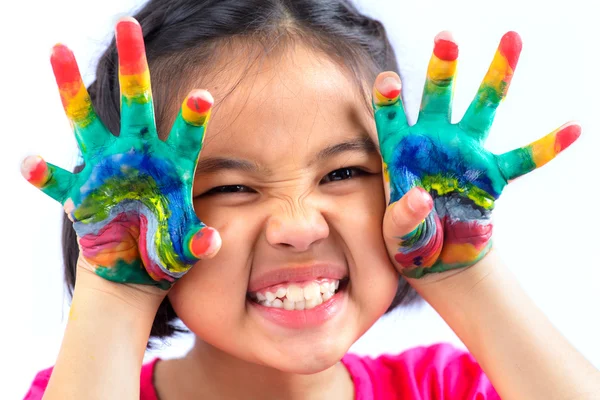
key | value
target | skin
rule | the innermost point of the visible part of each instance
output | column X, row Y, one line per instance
column 297, row 103
column 449, row 161
column 289, row 209
column 130, row 204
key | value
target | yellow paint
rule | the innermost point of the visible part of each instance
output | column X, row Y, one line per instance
column 459, row 253
column 72, row 313
column 499, row 70
column 78, row 107
column 192, row 117
column 544, row 149
column 136, row 87
column 439, row 70
column 386, row 173
column 381, row 100
column 445, row 185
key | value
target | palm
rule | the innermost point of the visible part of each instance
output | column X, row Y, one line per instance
column 131, row 204
column 450, row 161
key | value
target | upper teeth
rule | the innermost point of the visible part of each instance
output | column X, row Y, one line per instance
column 297, row 296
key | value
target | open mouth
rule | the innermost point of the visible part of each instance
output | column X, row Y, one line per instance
column 299, row 295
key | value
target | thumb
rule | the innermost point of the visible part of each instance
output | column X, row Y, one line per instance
column 203, row 243
column 403, row 216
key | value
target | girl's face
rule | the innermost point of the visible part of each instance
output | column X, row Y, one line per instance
column 291, row 178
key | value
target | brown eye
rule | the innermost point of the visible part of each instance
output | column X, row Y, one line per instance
column 343, row 174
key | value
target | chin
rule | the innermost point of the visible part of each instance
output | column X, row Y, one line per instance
column 309, row 358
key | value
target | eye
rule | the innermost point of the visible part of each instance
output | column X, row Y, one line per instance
column 343, row 173
column 228, row 189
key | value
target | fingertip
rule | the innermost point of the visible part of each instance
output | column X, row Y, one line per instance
column 127, row 27
column 127, row 20
column 64, row 65
column 130, row 46
column 197, row 106
column 510, row 47
column 387, row 88
column 35, row 170
column 200, row 100
column 445, row 46
column 419, row 201
column 206, row 243
column 567, row 134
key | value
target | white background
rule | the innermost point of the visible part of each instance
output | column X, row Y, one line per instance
column 546, row 224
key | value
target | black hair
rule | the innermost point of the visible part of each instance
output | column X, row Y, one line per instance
column 182, row 36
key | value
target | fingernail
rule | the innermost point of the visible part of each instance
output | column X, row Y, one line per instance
column 419, row 200
column 390, row 87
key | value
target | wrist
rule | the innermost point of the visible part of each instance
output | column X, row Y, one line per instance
column 142, row 300
column 109, row 325
column 456, row 284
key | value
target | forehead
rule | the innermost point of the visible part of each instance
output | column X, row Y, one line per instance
column 295, row 99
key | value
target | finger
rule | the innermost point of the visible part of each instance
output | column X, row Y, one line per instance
column 187, row 134
column 439, row 85
column 52, row 180
column 390, row 118
column 480, row 114
column 203, row 243
column 137, row 110
column 413, row 233
column 518, row 162
column 89, row 130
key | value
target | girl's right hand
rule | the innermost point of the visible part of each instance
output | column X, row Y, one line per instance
column 131, row 205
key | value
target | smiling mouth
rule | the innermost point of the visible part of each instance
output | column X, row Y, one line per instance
column 298, row 296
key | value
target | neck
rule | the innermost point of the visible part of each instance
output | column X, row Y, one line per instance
column 208, row 373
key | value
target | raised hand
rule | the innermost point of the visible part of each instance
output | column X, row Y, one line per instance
column 449, row 160
column 131, row 205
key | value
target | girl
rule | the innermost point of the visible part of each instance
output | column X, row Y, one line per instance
column 264, row 234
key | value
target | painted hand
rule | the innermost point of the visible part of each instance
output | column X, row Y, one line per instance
column 131, row 204
column 449, row 161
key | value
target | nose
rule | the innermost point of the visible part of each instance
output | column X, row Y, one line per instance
column 296, row 227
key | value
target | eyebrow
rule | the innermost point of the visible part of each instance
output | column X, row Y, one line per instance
column 363, row 145
column 214, row 164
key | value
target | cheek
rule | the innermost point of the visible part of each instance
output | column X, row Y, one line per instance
column 211, row 297
column 373, row 277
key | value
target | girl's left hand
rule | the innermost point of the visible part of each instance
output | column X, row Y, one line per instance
column 449, row 163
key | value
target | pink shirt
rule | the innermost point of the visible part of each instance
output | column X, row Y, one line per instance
column 440, row 372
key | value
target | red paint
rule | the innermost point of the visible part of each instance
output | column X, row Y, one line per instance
column 428, row 253
column 303, row 319
column 38, row 174
column 199, row 103
column 392, row 93
column 130, row 45
column 446, row 50
column 65, row 69
column 566, row 136
column 114, row 233
column 510, row 47
column 468, row 232
column 202, row 241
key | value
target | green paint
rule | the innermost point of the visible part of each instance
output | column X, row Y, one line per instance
column 134, row 272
